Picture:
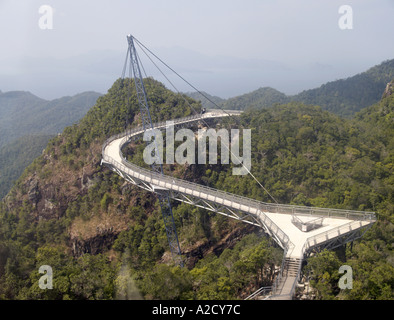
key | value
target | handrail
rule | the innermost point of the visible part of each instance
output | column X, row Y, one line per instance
column 296, row 279
column 324, row 236
column 296, row 220
column 280, row 275
column 306, row 226
column 314, row 221
column 176, row 184
column 271, row 207
column 258, row 292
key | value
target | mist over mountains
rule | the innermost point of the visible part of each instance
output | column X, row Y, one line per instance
column 27, row 122
column 22, row 113
column 343, row 97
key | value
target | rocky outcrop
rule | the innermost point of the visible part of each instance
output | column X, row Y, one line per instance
column 33, row 192
column 99, row 243
column 389, row 90
column 54, row 183
column 200, row 250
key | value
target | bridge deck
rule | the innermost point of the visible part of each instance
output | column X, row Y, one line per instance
column 299, row 238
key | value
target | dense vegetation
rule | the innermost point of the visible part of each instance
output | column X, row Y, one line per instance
column 345, row 97
column 106, row 240
column 307, row 156
column 260, row 98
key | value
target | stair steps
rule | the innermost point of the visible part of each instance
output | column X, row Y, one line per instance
column 291, row 267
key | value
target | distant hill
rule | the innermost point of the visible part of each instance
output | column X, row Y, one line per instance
column 27, row 122
column 260, row 98
column 22, row 113
column 343, row 97
column 16, row 156
column 204, row 101
column 15, row 107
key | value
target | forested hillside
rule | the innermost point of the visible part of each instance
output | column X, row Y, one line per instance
column 14, row 106
column 16, row 156
column 22, row 113
column 343, row 97
column 105, row 239
column 260, row 98
column 26, row 125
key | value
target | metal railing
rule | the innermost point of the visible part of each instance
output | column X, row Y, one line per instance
column 268, row 207
column 292, row 291
column 306, row 226
column 253, row 207
column 261, row 291
column 330, row 234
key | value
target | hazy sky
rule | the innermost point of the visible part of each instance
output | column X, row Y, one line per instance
column 224, row 47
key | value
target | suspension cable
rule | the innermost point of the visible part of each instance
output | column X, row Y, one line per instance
column 142, row 47
column 177, row 74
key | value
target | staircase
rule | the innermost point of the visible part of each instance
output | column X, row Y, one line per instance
column 291, row 266
column 284, row 289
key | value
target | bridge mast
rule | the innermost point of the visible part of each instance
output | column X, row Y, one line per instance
column 163, row 194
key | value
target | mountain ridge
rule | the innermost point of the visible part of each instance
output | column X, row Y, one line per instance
column 40, row 116
column 28, row 121
column 344, row 97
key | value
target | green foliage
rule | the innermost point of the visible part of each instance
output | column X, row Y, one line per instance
column 345, row 97
column 371, row 271
column 167, row 283
column 252, row 261
column 260, row 98
column 105, row 201
column 324, row 268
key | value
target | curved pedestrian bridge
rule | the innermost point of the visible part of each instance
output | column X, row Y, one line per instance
column 298, row 230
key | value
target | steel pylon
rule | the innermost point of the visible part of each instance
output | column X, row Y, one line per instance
column 163, row 195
